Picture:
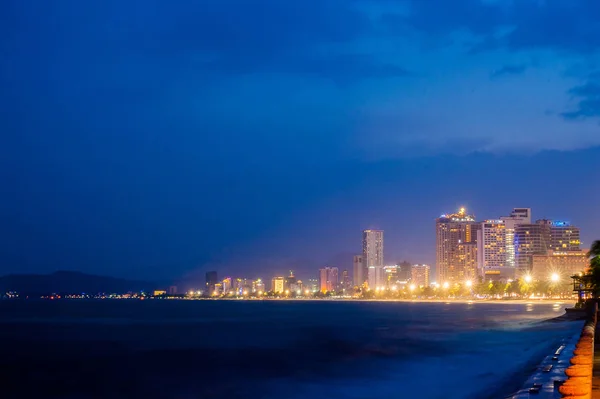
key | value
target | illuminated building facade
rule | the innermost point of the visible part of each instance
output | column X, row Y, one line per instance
column 564, row 237
column 359, row 276
column 491, row 251
column 453, row 230
column 258, row 285
column 227, row 285
column 531, row 239
column 376, row 277
column 372, row 254
column 420, row 275
column 278, row 285
column 563, row 263
column 519, row 216
column 328, row 279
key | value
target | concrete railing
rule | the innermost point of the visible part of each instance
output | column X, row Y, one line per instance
column 579, row 375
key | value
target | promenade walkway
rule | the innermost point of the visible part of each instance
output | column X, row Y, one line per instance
column 596, row 369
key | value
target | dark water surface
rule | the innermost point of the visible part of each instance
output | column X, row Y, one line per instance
column 269, row 349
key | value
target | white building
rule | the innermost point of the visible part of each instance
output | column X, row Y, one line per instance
column 491, row 251
column 372, row 249
column 519, row 216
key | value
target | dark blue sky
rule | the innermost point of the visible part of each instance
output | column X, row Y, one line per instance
column 157, row 139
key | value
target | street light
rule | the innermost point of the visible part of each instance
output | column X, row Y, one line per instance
column 446, row 285
column 469, row 283
column 555, row 278
column 528, row 278
column 412, row 287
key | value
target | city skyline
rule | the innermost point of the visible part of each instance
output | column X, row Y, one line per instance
column 166, row 140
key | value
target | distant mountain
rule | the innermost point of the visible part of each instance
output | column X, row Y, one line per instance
column 69, row 282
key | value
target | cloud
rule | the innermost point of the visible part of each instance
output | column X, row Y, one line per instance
column 588, row 101
column 569, row 26
column 508, row 70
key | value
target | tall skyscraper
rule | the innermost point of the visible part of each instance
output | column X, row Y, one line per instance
column 328, row 279
column 211, row 281
column 372, row 253
column 453, row 230
column 420, row 275
column 359, row 276
column 491, row 251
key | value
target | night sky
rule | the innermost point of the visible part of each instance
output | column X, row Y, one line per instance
column 157, row 139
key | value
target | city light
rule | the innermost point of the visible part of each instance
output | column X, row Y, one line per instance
column 555, row 278
column 394, row 288
column 307, row 292
column 412, row 287
column 260, row 293
column 528, row 279
column 287, row 292
column 446, row 285
column 469, row 283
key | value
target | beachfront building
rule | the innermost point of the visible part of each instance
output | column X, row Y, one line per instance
column 491, row 251
column 531, row 239
column 372, row 250
column 519, row 216
column 328, row 279
column 359, row 276
column 563, row 264
column 278, row 285
column 420, row 275
column 564, row 237
column 453, row 231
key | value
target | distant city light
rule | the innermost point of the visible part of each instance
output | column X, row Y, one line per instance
column 412, row 287
column 469, row 283
column 528, row 278
column 555, row 277
column 446, row 285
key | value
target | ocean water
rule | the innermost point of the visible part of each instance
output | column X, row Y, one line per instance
column 272, row 349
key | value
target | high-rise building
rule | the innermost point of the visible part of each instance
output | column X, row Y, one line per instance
column 227, row 285
column 491, row 251
column 564, row 237
column 530, row 239
column 278, row 285
column 328, row 279
column 420, row 275
column 519, row 216
column 346, row 283
column 291, row 282
column 372, row 253
column 467, row 258
column 211, row 280
column 452, row 230
column 358, row 270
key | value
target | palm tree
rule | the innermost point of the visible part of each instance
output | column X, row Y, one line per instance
column 594, row 256
column 594, row 250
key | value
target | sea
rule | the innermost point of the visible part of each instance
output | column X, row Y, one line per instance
column 189, row 349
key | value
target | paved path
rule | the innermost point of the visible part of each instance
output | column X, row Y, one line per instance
column 596, row 372
column 550, row 370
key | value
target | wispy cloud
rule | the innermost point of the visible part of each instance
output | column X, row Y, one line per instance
column 588, row 101
column 508, row 70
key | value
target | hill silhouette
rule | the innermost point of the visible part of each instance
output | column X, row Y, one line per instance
column 66, row 282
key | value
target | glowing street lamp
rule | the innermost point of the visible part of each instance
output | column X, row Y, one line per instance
column 528, row 279
column 555, row 278
column 307, row 292
column 446, row 285
column 412, row 287
column 469, row 283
